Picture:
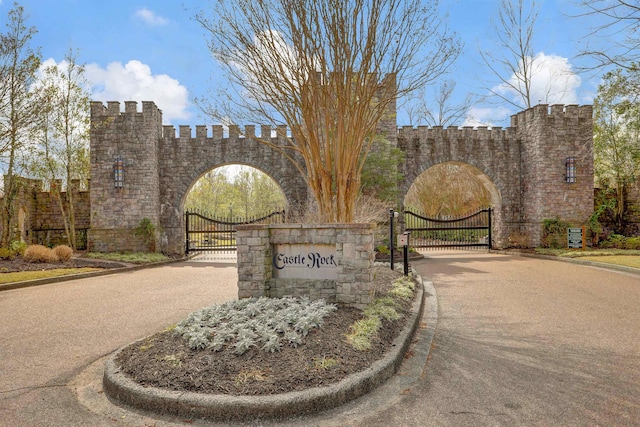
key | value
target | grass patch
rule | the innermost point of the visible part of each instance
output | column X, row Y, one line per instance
column 173, row 360
column 626, row 260
column 324, row 363
column 625, row 257
column 573, row 253
column 364, row 330
column 129, row 257
column 246, row 376
column 20, row 276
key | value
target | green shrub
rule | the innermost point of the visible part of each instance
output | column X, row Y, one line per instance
column 615, row 241
column 39, row 253
column 18, row 247
column 63, row 253
column 146, row 229
column 383, row 249
column 7, row 254
column 632, row 243
column 554, row 233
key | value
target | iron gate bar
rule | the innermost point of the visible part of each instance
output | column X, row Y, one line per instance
column 201, row 225
column 450, row 233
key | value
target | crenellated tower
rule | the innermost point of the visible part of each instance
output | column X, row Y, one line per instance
column 540, row 167
column 125, row 176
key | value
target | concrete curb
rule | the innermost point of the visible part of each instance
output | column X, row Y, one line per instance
column 124, row 391
column 58, row 279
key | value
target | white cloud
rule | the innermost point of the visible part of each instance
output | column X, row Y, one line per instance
column 150, row 17
column 478, row 116
column 553, row 81
column 135, row 82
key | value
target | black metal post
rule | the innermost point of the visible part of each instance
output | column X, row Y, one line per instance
column 490, row 228
column 405, row 250
column 186, row 221
column 391, row 242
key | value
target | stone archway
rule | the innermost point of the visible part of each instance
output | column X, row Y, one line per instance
column 526, row 164
column 482, row 179
column 159, row 168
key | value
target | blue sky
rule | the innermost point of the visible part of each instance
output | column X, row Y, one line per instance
column 154, row 51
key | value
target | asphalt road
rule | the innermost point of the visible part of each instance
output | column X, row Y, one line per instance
column 519, row 341
column 526, row 342
column 50, row 333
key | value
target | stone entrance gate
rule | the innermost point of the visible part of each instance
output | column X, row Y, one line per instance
column 540, row 167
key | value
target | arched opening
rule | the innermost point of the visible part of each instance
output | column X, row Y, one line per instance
column 235, row 191
column 225, row 197
column 452, row 204
column 451, row 189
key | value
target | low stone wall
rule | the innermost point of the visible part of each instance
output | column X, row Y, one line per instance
column 115, row 240
column 329, row 261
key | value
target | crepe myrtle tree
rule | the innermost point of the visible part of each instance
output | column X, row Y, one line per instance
column 328, row 69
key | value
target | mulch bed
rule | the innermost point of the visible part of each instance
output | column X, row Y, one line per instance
column 19, row 264
column 166, row 361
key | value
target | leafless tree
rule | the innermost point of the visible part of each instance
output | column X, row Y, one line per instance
column 329, row 69
column 616, row 17
column 435, row 107
column 18, row 66
column 511, row 58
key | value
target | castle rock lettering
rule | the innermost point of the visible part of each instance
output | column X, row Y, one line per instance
column 305, row 261
column 310, row 260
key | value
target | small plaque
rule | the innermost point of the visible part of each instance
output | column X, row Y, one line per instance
column 575, row 238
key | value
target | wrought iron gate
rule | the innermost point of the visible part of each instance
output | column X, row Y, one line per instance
column 469, row 231
column 217, row 234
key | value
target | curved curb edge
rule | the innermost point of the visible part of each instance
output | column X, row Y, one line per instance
column 119, row 388
column 69, row 277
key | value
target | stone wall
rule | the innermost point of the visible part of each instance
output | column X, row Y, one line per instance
column 38, row 218
column 354, row 258
column 548, row 137
column 160, row 168
column 523, row 166
column 134, row 138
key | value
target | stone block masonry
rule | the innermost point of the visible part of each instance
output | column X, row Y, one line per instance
column 522, row 166
column 160, row 168
column 350, row 253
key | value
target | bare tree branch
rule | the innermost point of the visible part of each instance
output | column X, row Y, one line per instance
column 617, row 17
column 511, row 59
column 329, row 69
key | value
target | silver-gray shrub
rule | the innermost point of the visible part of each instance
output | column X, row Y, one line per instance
column 265, row 323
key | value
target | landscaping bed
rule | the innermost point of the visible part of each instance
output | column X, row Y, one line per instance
column 325, row 356
column 19, row 264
